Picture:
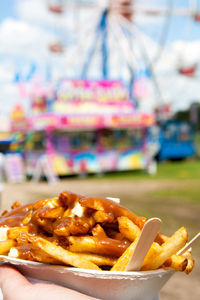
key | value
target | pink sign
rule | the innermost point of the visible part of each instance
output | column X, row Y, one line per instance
column 52, row 121
column 103, row 91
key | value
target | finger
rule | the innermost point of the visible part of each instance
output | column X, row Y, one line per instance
column 52, row 291
column 11, row 280
column 14, row 286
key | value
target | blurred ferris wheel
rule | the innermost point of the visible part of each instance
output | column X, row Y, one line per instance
column 116, row 38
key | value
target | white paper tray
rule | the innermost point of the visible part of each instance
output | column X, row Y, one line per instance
column 99, row 284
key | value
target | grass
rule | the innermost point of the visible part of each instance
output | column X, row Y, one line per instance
column 179, row 170
column 189, row 169
column 189, row 194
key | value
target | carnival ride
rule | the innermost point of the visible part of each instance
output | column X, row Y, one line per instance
column 137, row 29
column 88, row 127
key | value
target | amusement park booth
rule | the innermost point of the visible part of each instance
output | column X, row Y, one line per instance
column 91, row 127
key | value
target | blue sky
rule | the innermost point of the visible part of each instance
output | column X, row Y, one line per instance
column 177, row 24
column 7, row 9
column 180, row 27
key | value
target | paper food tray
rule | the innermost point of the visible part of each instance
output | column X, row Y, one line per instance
column 104, row 285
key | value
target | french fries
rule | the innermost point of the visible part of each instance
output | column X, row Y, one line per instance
column 128, row 228
column 3, row 233
column 69, row 199
column 28, row 253
column 74, row 226
column 170, row 247
column 15, row 205
column 101, row 217
column 89, row 233
column 6, row 245
column 99, row 232
column 113, row 234
column 153, row 252
column 177, row 262
column 109, row 206
column 14, row 232
column 61, row 254
column 190, row 264
column 104, row 246
column 99, row 260
column 124, row 259
column 52, row 213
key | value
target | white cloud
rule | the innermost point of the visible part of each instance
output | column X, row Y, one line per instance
column 6, row 71
column 187, row 53
column 23, row 39
column 37, row 13
column 9, row 97
column 19, row 39
column 176, row 89
column 34, row 11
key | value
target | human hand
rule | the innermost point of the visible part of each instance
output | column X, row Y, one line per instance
column 15, row 286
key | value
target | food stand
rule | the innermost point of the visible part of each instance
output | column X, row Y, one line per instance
column 90, row 127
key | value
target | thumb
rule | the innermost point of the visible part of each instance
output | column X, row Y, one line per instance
column 11, row 280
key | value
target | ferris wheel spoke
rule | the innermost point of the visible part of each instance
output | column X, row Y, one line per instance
column 125, row 46
column 141, row 36
column 116, row 6
column 164, row 34
column 78, row 50
column 114, row 52
column 93, row 48
column 122, row 42
column 126, row 60
column 133, row 28
column 157, row 33
column 156, row 11
column 129, row 43
column 137, row 9
column 146, row 57
column 127, row 52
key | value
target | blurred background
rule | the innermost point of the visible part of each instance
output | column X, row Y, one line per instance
column 101, row 97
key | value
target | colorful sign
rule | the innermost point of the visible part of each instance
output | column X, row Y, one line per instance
column 14, row 168
column 132, row 160
column 82, row 104
column 68, row 122
column 104, row 91
column 19, row 121
column 107, row 161
column 83, row 97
